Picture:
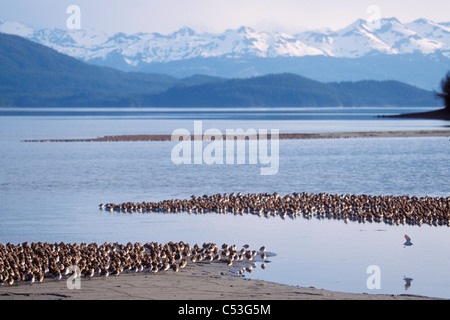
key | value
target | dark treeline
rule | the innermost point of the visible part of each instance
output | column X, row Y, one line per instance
column 445, row 94
column 32, row 75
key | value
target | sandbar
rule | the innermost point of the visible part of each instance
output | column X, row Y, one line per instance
column 200, row 281
column 282, row 136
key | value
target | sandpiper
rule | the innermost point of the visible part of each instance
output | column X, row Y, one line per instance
column 408, row 242
column 89, row 273
column 407, row 282
column 57, row 276
column 166, row 266
column 104, row 273
column 31, row 278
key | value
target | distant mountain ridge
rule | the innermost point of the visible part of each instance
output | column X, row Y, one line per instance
column 37, row 76
column 354, row 41
column 248, row 52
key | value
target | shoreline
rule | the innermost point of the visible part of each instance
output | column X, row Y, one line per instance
column 282, row 136
column 441, row 114
column 202, row 281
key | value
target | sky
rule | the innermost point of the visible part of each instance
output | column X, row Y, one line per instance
column 131, row 16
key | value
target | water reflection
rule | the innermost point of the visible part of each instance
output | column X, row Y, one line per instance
column 50, row 192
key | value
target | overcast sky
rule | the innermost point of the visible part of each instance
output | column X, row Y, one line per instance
column 166, row 16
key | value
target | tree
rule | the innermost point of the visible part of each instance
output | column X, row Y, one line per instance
column 445, row 94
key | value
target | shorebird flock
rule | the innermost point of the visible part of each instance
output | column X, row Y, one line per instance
column 33, row 262
column 393, row 210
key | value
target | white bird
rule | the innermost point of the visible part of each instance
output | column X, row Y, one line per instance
column 408, row 242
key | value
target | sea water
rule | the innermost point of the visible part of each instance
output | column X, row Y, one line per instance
column 51, row 191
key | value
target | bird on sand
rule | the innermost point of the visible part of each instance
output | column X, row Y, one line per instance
column 408, row 242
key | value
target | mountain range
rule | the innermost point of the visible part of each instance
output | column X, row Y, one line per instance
column 417, row 53
column 33, row 75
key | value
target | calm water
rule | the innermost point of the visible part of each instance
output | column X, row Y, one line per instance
column 51, row 192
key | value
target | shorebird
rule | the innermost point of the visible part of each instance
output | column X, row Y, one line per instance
column 408, row 242
column 183, row 263
column 32, row 263
column 115, row 272
column 57, row 276
column 65, row 271
column 104, row 273
column 166, row 266
column 89, row 273
column 407, row 282
column 31, row 278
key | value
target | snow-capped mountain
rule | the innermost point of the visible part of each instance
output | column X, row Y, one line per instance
column 238, row 52
column 356, row 40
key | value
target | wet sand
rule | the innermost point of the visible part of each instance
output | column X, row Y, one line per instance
column 282, row 136
column 202, row 281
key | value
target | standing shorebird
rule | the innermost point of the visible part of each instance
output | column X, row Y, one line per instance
column 407, row 282
column 57, row 276
column 408, row 242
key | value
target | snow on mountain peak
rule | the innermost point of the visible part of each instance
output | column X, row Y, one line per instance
column 356, row 40
column 15, row 28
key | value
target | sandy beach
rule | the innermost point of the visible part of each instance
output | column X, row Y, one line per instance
column 202, row 281
column 282, row 136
